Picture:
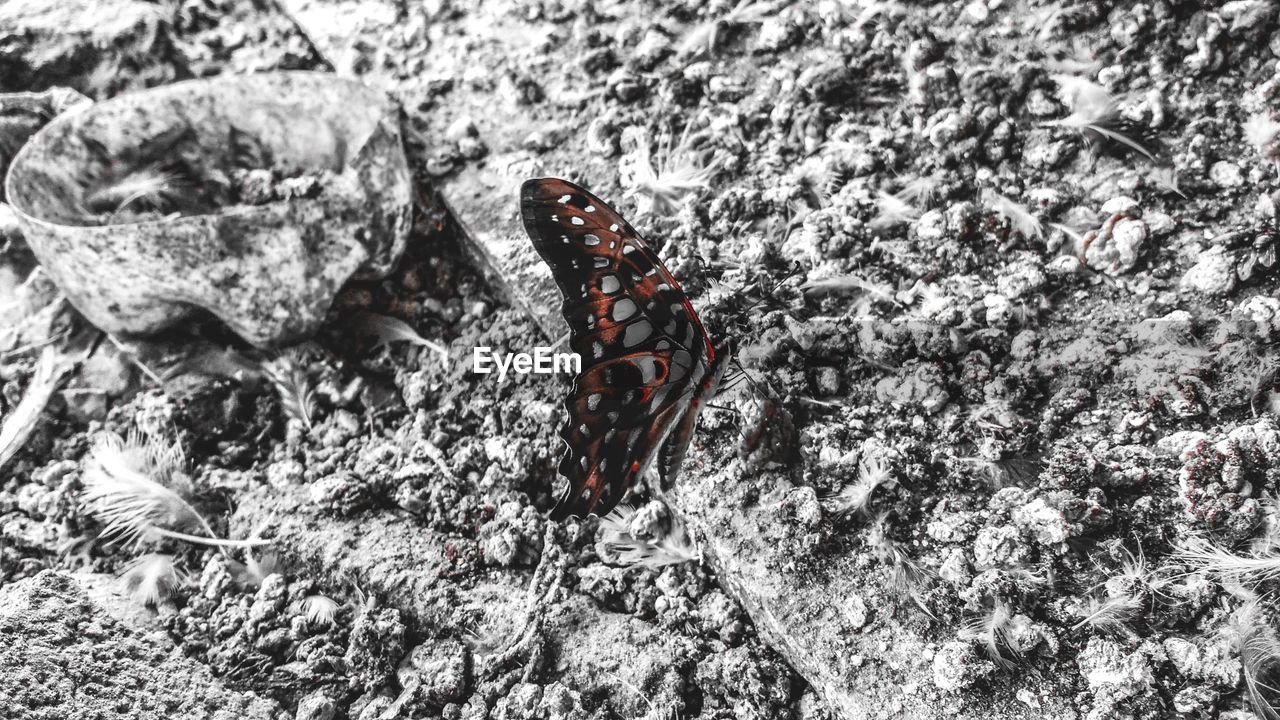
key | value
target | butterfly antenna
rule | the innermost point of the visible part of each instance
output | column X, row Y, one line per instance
column 724, row 408
column 795, row 268
column 759, row 389
column 742, row 433
column 734, row 382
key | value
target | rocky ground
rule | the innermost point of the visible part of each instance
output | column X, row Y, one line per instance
column 1003, row 281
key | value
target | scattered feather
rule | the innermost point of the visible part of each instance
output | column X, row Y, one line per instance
column 130, row 353
column 1019, row 217
column 1259, row 649
column 148, row 189
column 1246, row 569
column 487, row 641
column 293, row 384
column 856, row 497
column 892, row 211
column 1268, row 542
column 850, row 283
column 671, row 549
column 816, row 178
column 1094, row 110
column 50, row 368
column 990, row 631
column 663, row 187
column 1075, row 236
column 386, row 330
column 256, row 568
column 151, row 578
column 1112, row 615
column 906, row 575
column 136, row 488
column 319, row 609
column 921, row 191
column 1165, row 177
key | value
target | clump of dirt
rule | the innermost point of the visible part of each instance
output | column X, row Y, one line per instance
column 52, row 631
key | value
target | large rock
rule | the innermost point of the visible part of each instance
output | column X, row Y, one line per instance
column 269, row 268
column 64, row 657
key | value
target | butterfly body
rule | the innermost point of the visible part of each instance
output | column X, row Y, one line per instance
column 648, row 364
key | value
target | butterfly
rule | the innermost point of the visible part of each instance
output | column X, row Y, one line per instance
column 648, row 365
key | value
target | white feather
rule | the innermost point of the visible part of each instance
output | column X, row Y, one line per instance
column 617, row 540
column 151, row 578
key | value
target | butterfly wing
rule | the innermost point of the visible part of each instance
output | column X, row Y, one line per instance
column 671, row 456
column 644, row 352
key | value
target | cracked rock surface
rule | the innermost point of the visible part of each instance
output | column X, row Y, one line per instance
column 63, row 657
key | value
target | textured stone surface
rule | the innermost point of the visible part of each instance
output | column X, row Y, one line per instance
column 98, row 47
column 602, row 654
column 867, row 651
column 269, row 271
column 64, row 657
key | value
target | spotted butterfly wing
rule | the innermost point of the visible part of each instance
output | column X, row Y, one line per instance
column 647, row 362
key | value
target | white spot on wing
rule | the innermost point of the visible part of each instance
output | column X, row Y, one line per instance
column 590, row 239
column 648, row 368
column 637, row 333
column 576, row 220
column 681, row 361
column 564, row 199
column 590, row 208
column 593, row 401
column 623, row 309
column 609, row 284
column 656, row 403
